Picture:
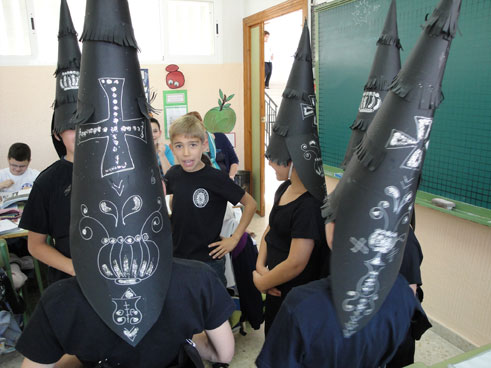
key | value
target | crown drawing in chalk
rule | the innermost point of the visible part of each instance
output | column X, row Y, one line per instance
column 129, row 259
column 69, row 80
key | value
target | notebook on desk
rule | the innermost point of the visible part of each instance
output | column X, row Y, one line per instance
column 7, row 226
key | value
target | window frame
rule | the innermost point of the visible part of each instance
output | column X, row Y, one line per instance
column 32, row 57
column 163, row 56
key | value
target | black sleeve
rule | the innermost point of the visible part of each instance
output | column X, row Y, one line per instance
column 38, row 341
column 35, row 215
column 411, row 261
column 307, row 221
column 169, row 179
column 230, row 152
column 218, row 303
column 228, row 189
column 284, row 345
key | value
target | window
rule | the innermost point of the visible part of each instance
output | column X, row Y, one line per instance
column 17, row 29
column 191, row 24
column 192, row 31
column 167, row 31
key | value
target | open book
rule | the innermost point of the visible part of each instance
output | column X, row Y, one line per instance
column 8, row 199
column 7, row 226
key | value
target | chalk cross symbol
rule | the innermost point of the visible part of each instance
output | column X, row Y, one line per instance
column 115, row 129
column 399, row 139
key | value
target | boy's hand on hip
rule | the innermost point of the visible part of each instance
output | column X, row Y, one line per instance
column 222, row 247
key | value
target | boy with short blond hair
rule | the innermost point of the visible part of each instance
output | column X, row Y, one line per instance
column 200, row 196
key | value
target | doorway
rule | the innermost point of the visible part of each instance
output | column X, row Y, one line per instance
column 254, row 92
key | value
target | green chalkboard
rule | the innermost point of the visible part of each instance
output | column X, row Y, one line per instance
column 458, row 161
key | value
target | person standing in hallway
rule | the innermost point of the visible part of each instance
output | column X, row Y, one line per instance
column 268, row 60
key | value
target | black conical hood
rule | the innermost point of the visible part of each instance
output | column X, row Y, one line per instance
column 295, row 134
column 386, row 64
column 67, row 77
column 120, row 237
column 373, row 202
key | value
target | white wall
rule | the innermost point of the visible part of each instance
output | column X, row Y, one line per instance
column 255, row 6
column 233, row 12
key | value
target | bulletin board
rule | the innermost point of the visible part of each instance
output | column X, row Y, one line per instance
column 175, row 106
column 458, row 162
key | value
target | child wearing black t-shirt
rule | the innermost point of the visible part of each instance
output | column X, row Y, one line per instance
column 47, row 213
column 200, row 195
column 293, row 248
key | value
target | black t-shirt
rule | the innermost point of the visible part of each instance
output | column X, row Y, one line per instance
column 198, row 207
column 411, row 261
column 300, row 218
column 48, row 209
column 306, row 331
column 65, row 323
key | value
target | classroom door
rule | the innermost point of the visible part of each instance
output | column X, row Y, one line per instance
column 254, row 110
column 257, row 116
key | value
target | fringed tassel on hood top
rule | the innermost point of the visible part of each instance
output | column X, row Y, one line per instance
column 377, row 84
column 277, row 161
column 67, row 31
column 83, row 114
column 429, row 96
column 66, row 98
column 443, row 21
column 122, row 36
column 291, row 93
column 73, row 63
column 369, row 154
column 280, row 129
column 303, row 55
column 389, row 40
column 360, row 124
column 146, row 108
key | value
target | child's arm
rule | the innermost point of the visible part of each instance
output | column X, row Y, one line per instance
column 263, row 253
column 216, row 345
column 66, row 361
column 298, row 257
column 40, row 249
column 6, row 184
column 233, row 171
column 30, row 364
column 226, row 245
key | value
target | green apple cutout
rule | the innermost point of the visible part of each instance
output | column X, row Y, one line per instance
column 221, row 119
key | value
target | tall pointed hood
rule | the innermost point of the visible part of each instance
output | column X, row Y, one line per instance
column 120, row 237
column 295, row 135
column 67, row 77
column 373, row 202
column 386, row 64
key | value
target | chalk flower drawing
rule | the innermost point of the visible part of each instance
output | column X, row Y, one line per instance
column 382, row 243
column 311, row 151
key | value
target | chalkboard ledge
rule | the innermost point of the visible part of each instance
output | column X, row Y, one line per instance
column 463, row 210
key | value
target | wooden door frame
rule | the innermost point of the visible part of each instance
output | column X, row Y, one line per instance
column 255, row 20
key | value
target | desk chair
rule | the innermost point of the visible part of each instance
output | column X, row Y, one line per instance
column 23, row 293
